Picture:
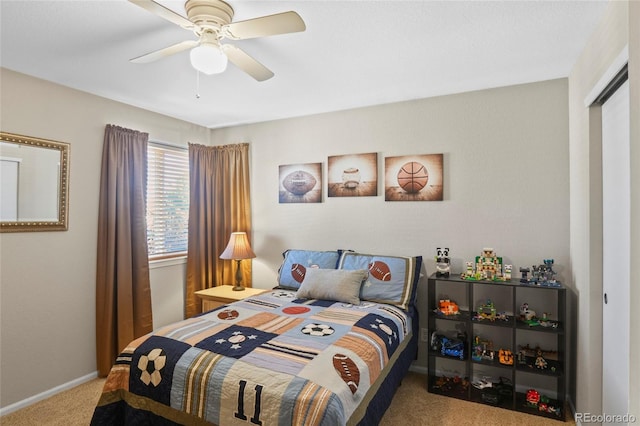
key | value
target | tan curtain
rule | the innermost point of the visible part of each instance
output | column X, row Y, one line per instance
column 123, row 296
column 219, row 205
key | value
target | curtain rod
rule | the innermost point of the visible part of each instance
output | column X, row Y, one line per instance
column 168, row 144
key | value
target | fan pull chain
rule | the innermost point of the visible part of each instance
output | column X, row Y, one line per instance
column 197, row 84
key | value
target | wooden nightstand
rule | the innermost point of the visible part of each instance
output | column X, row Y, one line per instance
column 217, row 296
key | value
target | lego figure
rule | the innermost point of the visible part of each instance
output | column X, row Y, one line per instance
column 526, row 313
column 507, row 272
column 541, row 363
column 443, row 262
column 447, row 307
column 489, row 265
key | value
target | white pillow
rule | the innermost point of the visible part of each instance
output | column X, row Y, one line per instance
column 332, row 284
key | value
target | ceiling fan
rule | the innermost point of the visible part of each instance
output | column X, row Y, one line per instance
column 211, row 21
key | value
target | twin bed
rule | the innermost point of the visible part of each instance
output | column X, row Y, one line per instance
column 328, row 346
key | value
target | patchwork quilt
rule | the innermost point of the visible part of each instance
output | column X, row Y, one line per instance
column 266, row 360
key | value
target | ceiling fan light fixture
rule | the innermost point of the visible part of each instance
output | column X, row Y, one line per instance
column 208, row 59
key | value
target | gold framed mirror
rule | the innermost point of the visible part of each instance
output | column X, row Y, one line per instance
column 34, row 185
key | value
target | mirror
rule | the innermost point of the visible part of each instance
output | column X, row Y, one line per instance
column 33, row 184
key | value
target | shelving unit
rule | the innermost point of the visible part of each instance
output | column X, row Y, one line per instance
column 451, row 376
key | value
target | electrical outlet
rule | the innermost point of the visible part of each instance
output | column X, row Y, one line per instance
column 424, row 336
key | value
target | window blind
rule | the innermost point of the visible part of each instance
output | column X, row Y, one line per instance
column 167, row 200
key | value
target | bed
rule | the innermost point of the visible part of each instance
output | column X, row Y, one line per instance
column 328, row 346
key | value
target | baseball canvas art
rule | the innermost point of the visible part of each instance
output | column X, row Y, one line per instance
column 413, row 178
column 301, row 183
column 354, row 175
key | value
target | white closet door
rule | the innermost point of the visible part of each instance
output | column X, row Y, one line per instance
column 616, row 210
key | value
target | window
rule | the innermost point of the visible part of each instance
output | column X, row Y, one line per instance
column 167, row 200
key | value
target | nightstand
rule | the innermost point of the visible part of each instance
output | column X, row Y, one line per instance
column 217, row 296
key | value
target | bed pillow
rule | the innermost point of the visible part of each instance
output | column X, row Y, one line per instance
column 297, row 262
column 332, row 284
column 391, row 279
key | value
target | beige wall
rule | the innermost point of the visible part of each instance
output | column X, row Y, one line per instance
column 621, row 21
column 48, row 278
column 506, row 169
column 506, row 177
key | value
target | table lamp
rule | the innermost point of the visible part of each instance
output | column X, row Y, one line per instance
column 237, row 249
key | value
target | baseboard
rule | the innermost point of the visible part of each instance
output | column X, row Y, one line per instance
column 572, row 410
column 419, row 369
column 46, row 394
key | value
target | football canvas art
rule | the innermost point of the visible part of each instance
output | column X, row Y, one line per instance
column 301, row 183
column 414, row 178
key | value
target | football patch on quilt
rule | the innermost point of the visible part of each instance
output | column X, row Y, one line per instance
column 347, row 370
column 235, row 341
column 152, row 367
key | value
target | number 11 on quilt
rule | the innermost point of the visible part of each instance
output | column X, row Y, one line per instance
column 256, row 409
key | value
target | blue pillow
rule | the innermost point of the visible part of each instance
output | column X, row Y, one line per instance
column 295, row 264
column 392, row 279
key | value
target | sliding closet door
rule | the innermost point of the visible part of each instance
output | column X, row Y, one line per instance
column 616, row 210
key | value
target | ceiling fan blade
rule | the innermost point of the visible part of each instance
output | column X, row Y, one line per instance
column 280, row 23
column 163, row 53
column 246, row 63
column 163, row 12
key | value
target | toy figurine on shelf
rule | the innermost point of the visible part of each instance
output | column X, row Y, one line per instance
column 533, row 398
column 447, row 307
column 482, row 349
column 505, row 357
column 541, row 275
column 526, row 314
column 468, row 272
column 486, row 311
column 443, row 262
column 487, row 266
column 507, row 272
column 541, row 363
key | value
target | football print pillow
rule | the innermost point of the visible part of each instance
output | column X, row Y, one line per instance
column 297, row 262
column 391, row 280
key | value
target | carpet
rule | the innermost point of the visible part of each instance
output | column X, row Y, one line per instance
column 412, row 405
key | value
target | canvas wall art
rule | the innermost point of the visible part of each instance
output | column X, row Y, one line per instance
column 354, row 175
column 301, row 183
column 413, row 178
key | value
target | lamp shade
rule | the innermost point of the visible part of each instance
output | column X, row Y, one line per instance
column 238, row 247
column 208, row 58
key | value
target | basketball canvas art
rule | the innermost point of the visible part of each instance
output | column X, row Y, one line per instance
column 414, row 178
column 301, row 183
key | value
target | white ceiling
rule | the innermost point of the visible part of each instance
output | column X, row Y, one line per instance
column 353, row 53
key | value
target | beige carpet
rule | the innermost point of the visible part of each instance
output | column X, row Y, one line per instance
column 412, row 405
